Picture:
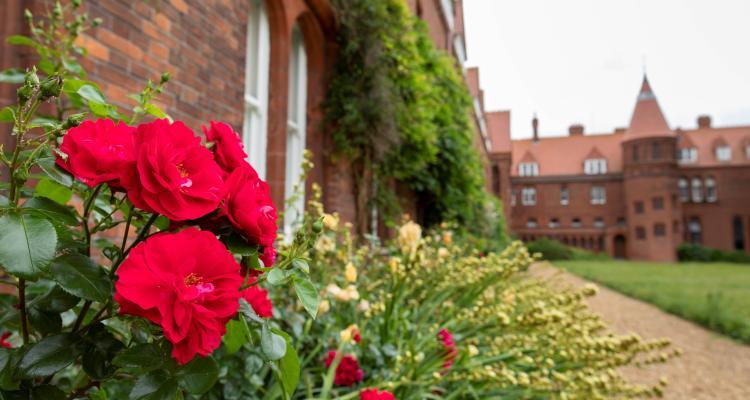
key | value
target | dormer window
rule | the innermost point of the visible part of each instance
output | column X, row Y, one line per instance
column 688, row 155
column 723, row 153
column 595, row 166
column 528, row 169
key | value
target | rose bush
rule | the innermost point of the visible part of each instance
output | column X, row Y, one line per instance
column 137, row 251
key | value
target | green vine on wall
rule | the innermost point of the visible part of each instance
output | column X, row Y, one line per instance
column 399, row 110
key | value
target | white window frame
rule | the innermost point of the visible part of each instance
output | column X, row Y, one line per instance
column 710, row 185
column 528, row 169
column 553, row 223
column 598, row 194
column 531, row 223
column 723, row 153
column 683, row 187
column 599, row 222
column 528, row 196
column 564, row 196
column 296, row 132
column 448, row 11
column 688, row 155
column 257, row 62
column 696, row 190
column 747, row 151
column 595, row 166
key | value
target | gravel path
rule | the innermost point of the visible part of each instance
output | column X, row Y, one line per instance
column 711, row 368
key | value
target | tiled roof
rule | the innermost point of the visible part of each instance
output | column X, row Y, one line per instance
column 564, row 155
column 647, row 119
column 498, row 127
column 706, row 139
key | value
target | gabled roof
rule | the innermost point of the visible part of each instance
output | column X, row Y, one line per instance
column 595, row 153
column 498, row 128
column 564, row 155
column 647, row 119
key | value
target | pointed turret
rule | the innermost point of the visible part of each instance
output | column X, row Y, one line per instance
column 648, row 119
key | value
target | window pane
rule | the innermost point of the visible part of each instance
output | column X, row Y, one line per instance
column 256, row 87
column 296, row 129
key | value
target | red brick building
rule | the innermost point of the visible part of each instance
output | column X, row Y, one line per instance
column 261, row 65
column 637, row 192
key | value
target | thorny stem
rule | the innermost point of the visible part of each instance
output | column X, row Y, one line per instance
column 82, row 315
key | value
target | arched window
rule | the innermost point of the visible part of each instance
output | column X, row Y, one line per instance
column 257, row 58
column 296, row 129
column 738, row 233
column 710, row 189
column 694, row 230
column 684, row 190
column 697, row 190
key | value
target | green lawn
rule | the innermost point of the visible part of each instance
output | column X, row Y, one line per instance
column 715, row 295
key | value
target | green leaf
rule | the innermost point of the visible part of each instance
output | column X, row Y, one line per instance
column 247, row 310
column 27, row 244
column 7, row 114
column 237, row 245
column 91, row 93
column 50, row 168
column 13, row 75
column 199, row 375
column 272, row 344
column 79, row 275
column 301, row 264
column 21, row 40
column 141, row 358
column 307, row 294
column 289, row 368
column 156, row 385
column 100, row 349
column 46, row 322
column 7, row 362
column 152, row 109
column 54, row 211
column 56, row 300
column 47, row 392
column 276, row 276
column 48, row 356
column 53, row 190
column 235, row 336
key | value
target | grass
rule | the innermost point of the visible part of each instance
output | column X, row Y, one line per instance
column 715, row 295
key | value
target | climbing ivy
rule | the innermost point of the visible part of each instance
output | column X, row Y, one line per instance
column 399, row 111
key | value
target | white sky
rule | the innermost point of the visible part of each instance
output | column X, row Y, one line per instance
column 582, row 60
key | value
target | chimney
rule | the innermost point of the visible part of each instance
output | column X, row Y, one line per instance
column 704, row 122
column 535, row 126
column 575, row 130
column 620, row 130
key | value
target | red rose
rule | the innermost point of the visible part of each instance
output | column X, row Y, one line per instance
column 348, row 372
column 98, row 151
column 374, row 394
column 250, row 209
column 449, row 348
column 174, row 174
column 258, row 299
column 228, row 150
column 4, row 343
column 188, row 283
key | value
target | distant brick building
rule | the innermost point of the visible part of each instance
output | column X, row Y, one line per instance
column 261, row 65
column 637, row 192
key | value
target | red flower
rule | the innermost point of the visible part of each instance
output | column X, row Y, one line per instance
column 258, row 299
column 4, row 343
column 188, row 283
column 348, row 372
column 174, row 174
column 374, row 394
column 228, row 149
column 98, row 151
column 249, row 207
column 449, row 348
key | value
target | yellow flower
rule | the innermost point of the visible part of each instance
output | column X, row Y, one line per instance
column 323, row 307
column 473, row 351
column 348, row 334
column 409, row 235
column 339, row 294
column 443, row 252
column 394, row 264
column 325, row 245
column 363, row 306
column 330, row 221
column 350, row 273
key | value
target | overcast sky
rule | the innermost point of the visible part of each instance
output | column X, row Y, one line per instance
column 582, row 60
